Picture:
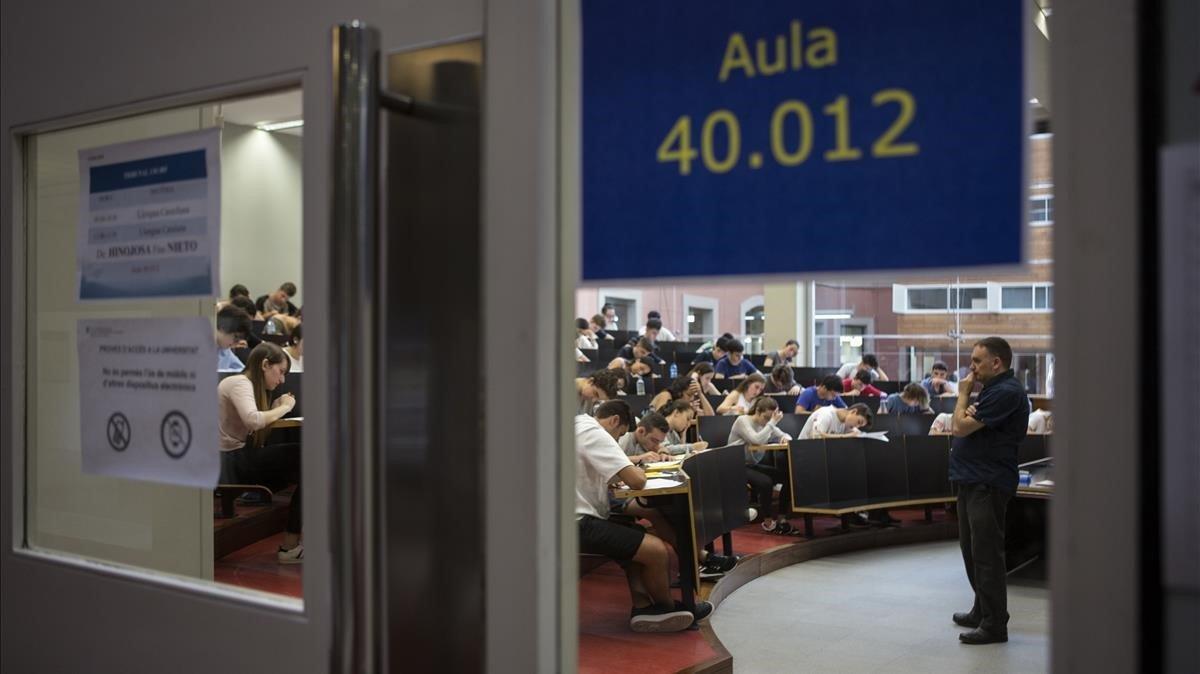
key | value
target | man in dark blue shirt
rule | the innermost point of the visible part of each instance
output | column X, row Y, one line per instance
column 734, row 365
column 983, row 464
column 825, row 393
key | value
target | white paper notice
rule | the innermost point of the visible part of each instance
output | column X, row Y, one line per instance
column 148, row 401
column 150, row 218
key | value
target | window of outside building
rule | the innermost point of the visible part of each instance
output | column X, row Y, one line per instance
column 1034, row 297
column 1041, row 209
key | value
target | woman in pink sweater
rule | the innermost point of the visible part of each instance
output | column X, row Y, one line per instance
column 244, row 417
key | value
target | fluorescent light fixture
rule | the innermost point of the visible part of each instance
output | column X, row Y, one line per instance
column 831, row 317
column 279, row 126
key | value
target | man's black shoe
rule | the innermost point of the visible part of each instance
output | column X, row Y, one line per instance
column 703, row 609
column 966, row 620
column 977, row 636
column 721, row 563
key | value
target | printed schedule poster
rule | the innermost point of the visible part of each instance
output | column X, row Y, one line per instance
column 765, row 137
column 148, row 400
column 150, row 218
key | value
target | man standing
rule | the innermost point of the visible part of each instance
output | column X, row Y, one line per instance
column 983, row 464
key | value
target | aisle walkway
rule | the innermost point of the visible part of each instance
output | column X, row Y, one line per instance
column 881, row 610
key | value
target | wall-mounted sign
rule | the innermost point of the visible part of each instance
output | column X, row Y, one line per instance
column 767, row 137
column 150, row 218
column 147, row 400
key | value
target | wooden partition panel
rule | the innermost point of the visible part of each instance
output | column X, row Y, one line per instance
column 715, row 430
column 886, row 468
column 809, row 473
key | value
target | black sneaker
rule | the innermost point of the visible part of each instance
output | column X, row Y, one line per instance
column 660, row 619
column 703, row 609
column 708, row 573
column 721, row 563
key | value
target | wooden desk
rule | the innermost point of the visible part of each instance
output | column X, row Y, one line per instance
column 675, row 504
column 288, row 422
column 777, row 447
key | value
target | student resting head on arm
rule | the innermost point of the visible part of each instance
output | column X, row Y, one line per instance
column 680, row 416
column 739, row 399
column 757, row 427
column 597, row 387
column 835, row 422
column 914, row 399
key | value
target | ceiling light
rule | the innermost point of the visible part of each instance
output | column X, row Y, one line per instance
column 279, row 126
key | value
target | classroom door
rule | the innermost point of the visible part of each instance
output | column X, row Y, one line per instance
column 110, row 574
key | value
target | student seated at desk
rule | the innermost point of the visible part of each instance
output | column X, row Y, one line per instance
column 868, row 362
column 782, row 380
column 643, row 444
column 739, row 399
column 825, row 393
column 595, row 388
column 783, row 356
column 704, row 374
column 596, row 325
column 834, row 422
column 233, row 324
column 638, row 348
column 860, row 385
column 584, row 337
column 943, row 424
column 244, row 418
column 914, row 399
column 734, row 365
column 938, row 382
column 1041, row 422
column 680, row 415
column 600, row 462
column 238, row 290
column 757, row 427
column 714, row 354
column 629, row 371
column 683, row 389
column 295, row 349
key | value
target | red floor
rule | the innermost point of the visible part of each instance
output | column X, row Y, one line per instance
column 607, row 645
column 255, row 567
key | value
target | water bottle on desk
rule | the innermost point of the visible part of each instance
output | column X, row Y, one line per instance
column 674, row 370
column 641, row 386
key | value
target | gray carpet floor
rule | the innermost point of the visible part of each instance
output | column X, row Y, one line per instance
column 883, row 610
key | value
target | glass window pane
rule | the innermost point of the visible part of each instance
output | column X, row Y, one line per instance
column 972, row 299
column 926, row 298
column 1019, row 297
column 1040, row 298
column 135, row 523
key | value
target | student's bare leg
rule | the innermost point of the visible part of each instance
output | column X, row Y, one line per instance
column 652, row 558
column 662, row 527
column 637, row 591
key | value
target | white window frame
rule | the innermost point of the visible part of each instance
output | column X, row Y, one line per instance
column 748, row 304
column 1040, row 223
column 701, row 302
column 624, row 295
column 900, row 298
column 1033, row 287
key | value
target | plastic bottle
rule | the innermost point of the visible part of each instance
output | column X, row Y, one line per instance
column 641, row 386
column 674, row 370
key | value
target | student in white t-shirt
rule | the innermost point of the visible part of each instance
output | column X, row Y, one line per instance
column 943, row 424
column 835, row 422
column 1041, row 422
column 599, row 462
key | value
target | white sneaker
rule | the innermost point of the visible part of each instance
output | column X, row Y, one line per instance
column 751, row 514
column 293, row 556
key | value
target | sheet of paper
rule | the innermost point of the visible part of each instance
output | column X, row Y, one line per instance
column 877, row 435
column 663, row 465
column 148, row 400
column 150, row 218
column 661, row 483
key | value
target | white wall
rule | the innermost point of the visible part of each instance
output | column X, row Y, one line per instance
column 260, row 210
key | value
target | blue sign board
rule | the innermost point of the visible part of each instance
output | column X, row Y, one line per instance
column 771, row 137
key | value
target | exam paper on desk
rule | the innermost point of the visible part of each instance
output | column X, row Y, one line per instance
column 661, row 483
